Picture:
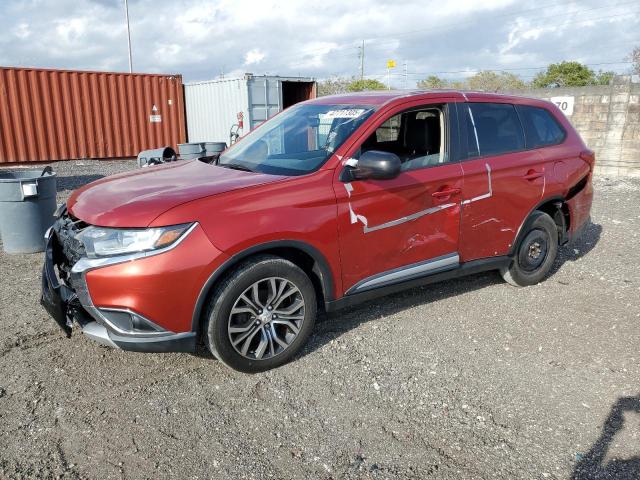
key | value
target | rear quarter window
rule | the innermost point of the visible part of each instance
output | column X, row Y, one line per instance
column 540, row 126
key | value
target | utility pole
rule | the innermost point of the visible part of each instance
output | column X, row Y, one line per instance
column 405, row 74
column 362, row 61
column 126, row 11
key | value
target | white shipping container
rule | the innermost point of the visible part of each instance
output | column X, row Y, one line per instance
column 212, row 107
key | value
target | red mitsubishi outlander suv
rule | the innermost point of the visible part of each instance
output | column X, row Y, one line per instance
column 331, row 202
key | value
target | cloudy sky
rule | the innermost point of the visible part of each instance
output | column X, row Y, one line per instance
column 202, row 38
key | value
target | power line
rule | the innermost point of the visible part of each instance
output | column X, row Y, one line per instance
column 563, row 22
column 449, row 26
column 473, row 72
column 351, row 45
column 499, row 69
column 458, row 24
column 573, row 22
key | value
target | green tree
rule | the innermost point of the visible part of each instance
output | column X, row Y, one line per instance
column 433, row 81
column 490, row 81
column 565, row 74
column 364, row 85
column 604, row 78
column 333, row 86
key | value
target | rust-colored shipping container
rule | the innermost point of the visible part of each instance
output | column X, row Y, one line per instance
column 50, row 115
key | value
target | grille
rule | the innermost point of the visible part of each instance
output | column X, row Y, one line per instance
column 69, row 248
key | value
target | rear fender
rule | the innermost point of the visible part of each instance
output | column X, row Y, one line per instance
column 528, row 220
column 579, row 205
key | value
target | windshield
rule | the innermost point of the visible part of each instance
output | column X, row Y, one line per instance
column 297, row 141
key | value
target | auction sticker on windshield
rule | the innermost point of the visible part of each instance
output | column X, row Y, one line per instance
column 345, row 113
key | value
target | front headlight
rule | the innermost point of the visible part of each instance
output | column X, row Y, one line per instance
column 107, row 242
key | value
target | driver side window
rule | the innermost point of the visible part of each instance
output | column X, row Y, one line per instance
column 416, row 136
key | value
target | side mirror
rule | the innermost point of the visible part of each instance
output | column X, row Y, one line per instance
column 374, row 164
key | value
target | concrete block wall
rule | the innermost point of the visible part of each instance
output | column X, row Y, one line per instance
column 608, row 119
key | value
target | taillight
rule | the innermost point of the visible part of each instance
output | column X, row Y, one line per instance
column 588, row 156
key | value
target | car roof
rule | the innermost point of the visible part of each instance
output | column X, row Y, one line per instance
column 382, row 97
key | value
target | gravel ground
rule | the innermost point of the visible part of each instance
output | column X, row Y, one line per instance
column 469, row 378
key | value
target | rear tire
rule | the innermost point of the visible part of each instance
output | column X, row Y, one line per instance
column 535, row 252
column 261, row 315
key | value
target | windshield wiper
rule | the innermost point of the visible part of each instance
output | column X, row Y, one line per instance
column 235, row 166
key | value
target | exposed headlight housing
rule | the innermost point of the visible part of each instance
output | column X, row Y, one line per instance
column 109, row 242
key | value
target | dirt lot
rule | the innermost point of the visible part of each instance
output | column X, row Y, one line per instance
column 467, row 379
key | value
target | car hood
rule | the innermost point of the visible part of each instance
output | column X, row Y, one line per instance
column 136, row 198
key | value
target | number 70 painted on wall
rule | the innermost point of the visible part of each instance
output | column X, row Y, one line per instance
column 565, row 104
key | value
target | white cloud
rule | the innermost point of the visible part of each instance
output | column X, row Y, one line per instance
column 197, row 22
column 201, row 38
column 71, row 30
column 253, row 56
column 22, row 31
column 315, row 55
column 519, row 32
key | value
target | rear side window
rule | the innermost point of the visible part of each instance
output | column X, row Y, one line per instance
column 498, row 128
column 540, row 126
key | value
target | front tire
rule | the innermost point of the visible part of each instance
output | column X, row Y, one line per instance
column 261, row 315
column 535, row 253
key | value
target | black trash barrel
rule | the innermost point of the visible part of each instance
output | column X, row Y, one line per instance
column 27, row 204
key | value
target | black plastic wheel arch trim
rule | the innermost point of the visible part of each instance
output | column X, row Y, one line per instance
column 326, row 278
column 528, row 219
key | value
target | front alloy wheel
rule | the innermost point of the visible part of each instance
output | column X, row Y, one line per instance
column 266, row 318
column 261, row 315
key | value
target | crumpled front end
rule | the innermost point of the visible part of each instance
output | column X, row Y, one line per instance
column 139, row 302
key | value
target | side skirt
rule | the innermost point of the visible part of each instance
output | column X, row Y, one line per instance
column 406, row 273
column 464, row 269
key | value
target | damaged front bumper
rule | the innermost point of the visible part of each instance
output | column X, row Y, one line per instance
column 69, row 302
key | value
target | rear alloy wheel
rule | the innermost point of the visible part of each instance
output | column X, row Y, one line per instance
column 261, row 315
column 535, row 253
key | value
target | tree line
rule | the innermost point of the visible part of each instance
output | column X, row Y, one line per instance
column 563, row 74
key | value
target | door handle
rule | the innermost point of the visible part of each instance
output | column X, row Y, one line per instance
column 446, row 193
column 532, row 175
